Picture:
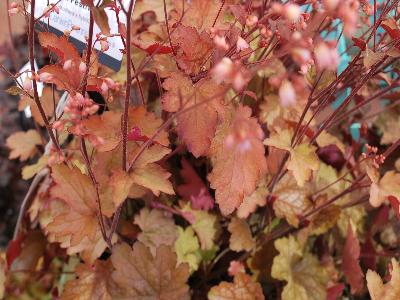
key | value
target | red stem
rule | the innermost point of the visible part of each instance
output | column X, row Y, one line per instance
column 31, row 42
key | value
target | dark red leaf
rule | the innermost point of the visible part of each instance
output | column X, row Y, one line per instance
column 395, row 205
column 155, row 48
column 332, row 156
column 359, row 43
column 335, row 291
column 351, row 264
column 369, row 257
column 194, row 189
column 136, row 135
column 394, row 33
column 14, row 249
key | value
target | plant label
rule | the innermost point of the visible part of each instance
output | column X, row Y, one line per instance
column 73, row 12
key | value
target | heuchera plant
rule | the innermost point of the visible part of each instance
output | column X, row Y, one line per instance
column 245, row 150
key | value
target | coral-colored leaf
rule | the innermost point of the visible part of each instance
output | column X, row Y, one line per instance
column 92, row 282
column 74, row 221
column 64, row 79
column 238, row 159
column 199, row 14
column 196, row 127
column 64, row 49
column 141, row 275
column 241, row 238
column 250, row 203
column 47, row 102
column 193, row 49
column 107, row 127
column 242, row 288
column 157, row 229
column 23, row 144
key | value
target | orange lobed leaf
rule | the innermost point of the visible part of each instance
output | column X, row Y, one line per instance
column 60, row 45
column 115, row 185
column 157, row 229
column 47, row 103
column 194, row 49
column 23, row 144
column 141, row 275
column 69, row 80
column 238, row 159
column 242, row 288
column 74, row 221
column 196, row 127
column 241, row 238
column 108, row 127
column 93, row 282
column 199, row 13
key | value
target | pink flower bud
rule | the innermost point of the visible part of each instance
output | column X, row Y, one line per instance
column 67, row 64
column 251, row 20
column 220, row 42
column 330, row 5
column 104, row 45
column 222, row 70
column 241, row 44
column 82, row 67
column 239, row 81
column 326, row 57
column 287, row 94
column 58, row 125
column 111, row 83
column 45, row 77
column 56, row 9
column 78, row 97
column 104, row 87
column 27, row 84
column 13, row 11
column 292, row 12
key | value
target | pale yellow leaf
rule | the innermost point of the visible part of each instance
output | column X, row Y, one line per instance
column 380, row 291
